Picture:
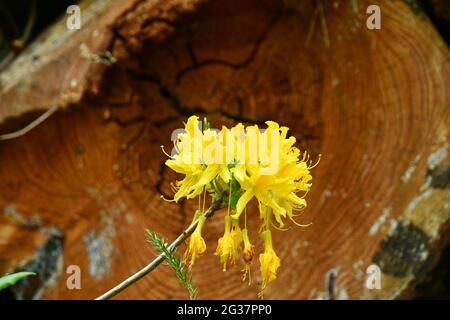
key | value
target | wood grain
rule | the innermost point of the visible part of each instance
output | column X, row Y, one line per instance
column 374, row 103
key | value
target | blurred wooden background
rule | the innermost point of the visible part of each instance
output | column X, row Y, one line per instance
column 81, row 188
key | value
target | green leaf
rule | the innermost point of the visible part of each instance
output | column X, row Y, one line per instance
column 234, row 199
column 11, row 279
column 206, row 124
column 174, row 262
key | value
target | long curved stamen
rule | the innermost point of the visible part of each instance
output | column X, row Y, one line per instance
column 165, row 199
column 318, row 160
column 229, row 197
column 304, row 195
column 204, row 198
column 299, row 214
column 299, row 224
column 278, row 228
column 164, row 151
column 245, row 218
column 176, row 146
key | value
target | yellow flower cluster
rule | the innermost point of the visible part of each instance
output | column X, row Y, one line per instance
column 241, row 164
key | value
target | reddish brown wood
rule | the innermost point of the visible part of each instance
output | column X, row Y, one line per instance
column 374, row 103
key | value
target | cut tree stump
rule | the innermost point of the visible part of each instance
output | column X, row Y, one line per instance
column 82, row 187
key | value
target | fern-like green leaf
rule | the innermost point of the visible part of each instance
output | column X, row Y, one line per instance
column 12, row 279
column 173, row 262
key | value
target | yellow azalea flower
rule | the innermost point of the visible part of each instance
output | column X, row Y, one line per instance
column 226, row 246
column 269, row 262
column 197, row 244
column 276, row 191
column 236, row 233
column 249, row 252
column 191, row 160
column 239, row 164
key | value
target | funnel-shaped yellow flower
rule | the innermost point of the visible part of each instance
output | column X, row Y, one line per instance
column 197, row 244
column 269, row 261
column 227, row 246
column 236, row 233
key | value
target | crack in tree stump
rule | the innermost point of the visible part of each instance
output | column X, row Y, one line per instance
column 374, row 103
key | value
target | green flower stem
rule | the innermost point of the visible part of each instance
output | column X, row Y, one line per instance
column 216, row 205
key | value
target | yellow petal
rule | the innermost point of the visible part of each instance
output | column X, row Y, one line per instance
column 197, row 244
column 269, row 261
column 207, row 176
column 242, row 202
column 224, row 173
column 192, row 125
